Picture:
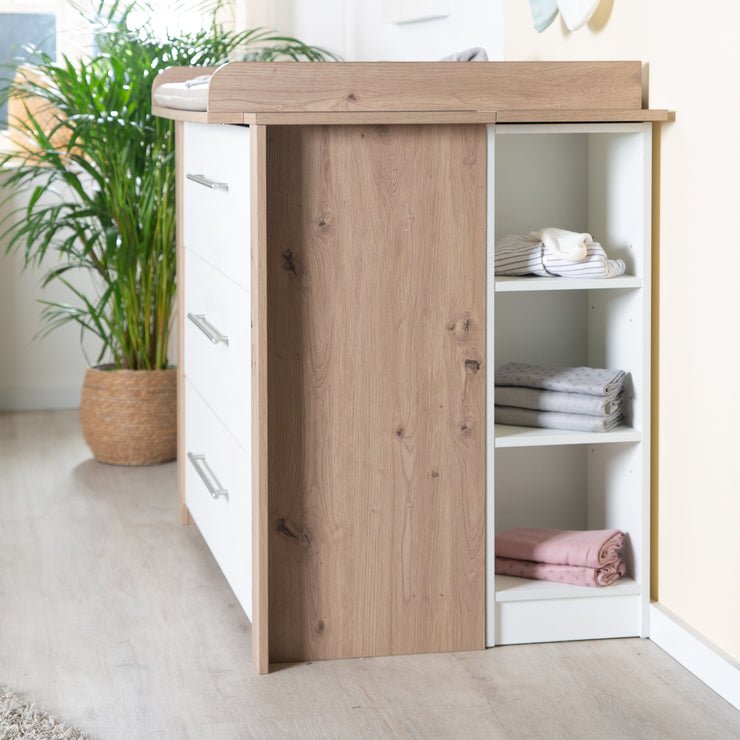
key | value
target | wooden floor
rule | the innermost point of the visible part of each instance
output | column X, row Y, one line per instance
column 116, row 619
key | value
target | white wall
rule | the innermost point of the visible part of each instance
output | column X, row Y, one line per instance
column 35, row 372
column 359, row 31
column 317, row 22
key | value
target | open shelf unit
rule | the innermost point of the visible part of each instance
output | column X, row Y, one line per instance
column 593, row 178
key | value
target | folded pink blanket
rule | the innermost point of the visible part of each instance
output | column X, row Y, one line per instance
column 592, row 548
column 576, row 575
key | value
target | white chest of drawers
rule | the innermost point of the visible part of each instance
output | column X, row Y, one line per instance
column 217, row 352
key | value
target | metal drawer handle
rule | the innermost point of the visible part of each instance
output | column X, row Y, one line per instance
column 207, row 476
column 213, row 334
column 206, row 182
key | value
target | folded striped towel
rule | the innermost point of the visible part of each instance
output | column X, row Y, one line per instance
column 519, row 255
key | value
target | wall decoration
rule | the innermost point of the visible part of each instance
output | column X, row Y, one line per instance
column 576, row 13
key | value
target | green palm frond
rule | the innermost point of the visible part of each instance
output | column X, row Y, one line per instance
column 99, row 170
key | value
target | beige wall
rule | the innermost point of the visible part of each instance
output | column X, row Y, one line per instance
column 693, row 59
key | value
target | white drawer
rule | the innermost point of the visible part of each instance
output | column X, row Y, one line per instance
column 220, row 368
column 216, row 220
column 226, row 520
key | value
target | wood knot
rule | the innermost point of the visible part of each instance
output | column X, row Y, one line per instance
column 320, row 627
column 289, row 262
column 467, row 426
column 460, row 329
column 400, row 432
column 283, row 528
column 472, row 366
column 435, row 473
column 352, row 97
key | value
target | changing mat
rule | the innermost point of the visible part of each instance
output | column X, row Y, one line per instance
column 189, row 95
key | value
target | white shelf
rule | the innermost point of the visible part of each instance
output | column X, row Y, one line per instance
column 595, row 179
column 511, row 436
column 511, row 588
column 503, row 284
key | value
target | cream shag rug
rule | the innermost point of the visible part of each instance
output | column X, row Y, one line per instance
column 19, row 719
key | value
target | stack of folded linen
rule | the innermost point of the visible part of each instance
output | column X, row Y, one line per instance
column 585, row 399
column 581, row 558
column 553, row 252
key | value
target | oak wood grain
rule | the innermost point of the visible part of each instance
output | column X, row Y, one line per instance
column 376, row 326
column 424, row 86
column 374, row 117
column 184, row 514
column 260, row 397
column 584, row 116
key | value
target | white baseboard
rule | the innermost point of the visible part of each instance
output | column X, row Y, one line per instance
column 707, row 662
column 39, row 399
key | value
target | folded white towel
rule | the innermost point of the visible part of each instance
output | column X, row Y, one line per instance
column 570, row 403
column 567, row 245
column 199, row 80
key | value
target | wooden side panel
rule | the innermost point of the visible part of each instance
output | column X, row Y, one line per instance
column 424, row 86
column 185, row 517
column 258, row 237
column 376, row 346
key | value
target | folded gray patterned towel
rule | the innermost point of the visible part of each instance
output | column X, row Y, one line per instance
column 474, row 54
column 569, row 403
column 591, row 380
column 556, row 420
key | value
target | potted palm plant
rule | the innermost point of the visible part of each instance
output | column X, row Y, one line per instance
column 84, row 131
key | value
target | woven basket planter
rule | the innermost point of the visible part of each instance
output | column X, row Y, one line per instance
column 129, row 417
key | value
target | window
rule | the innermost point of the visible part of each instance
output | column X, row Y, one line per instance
column 61, row 27
column 20, row 35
